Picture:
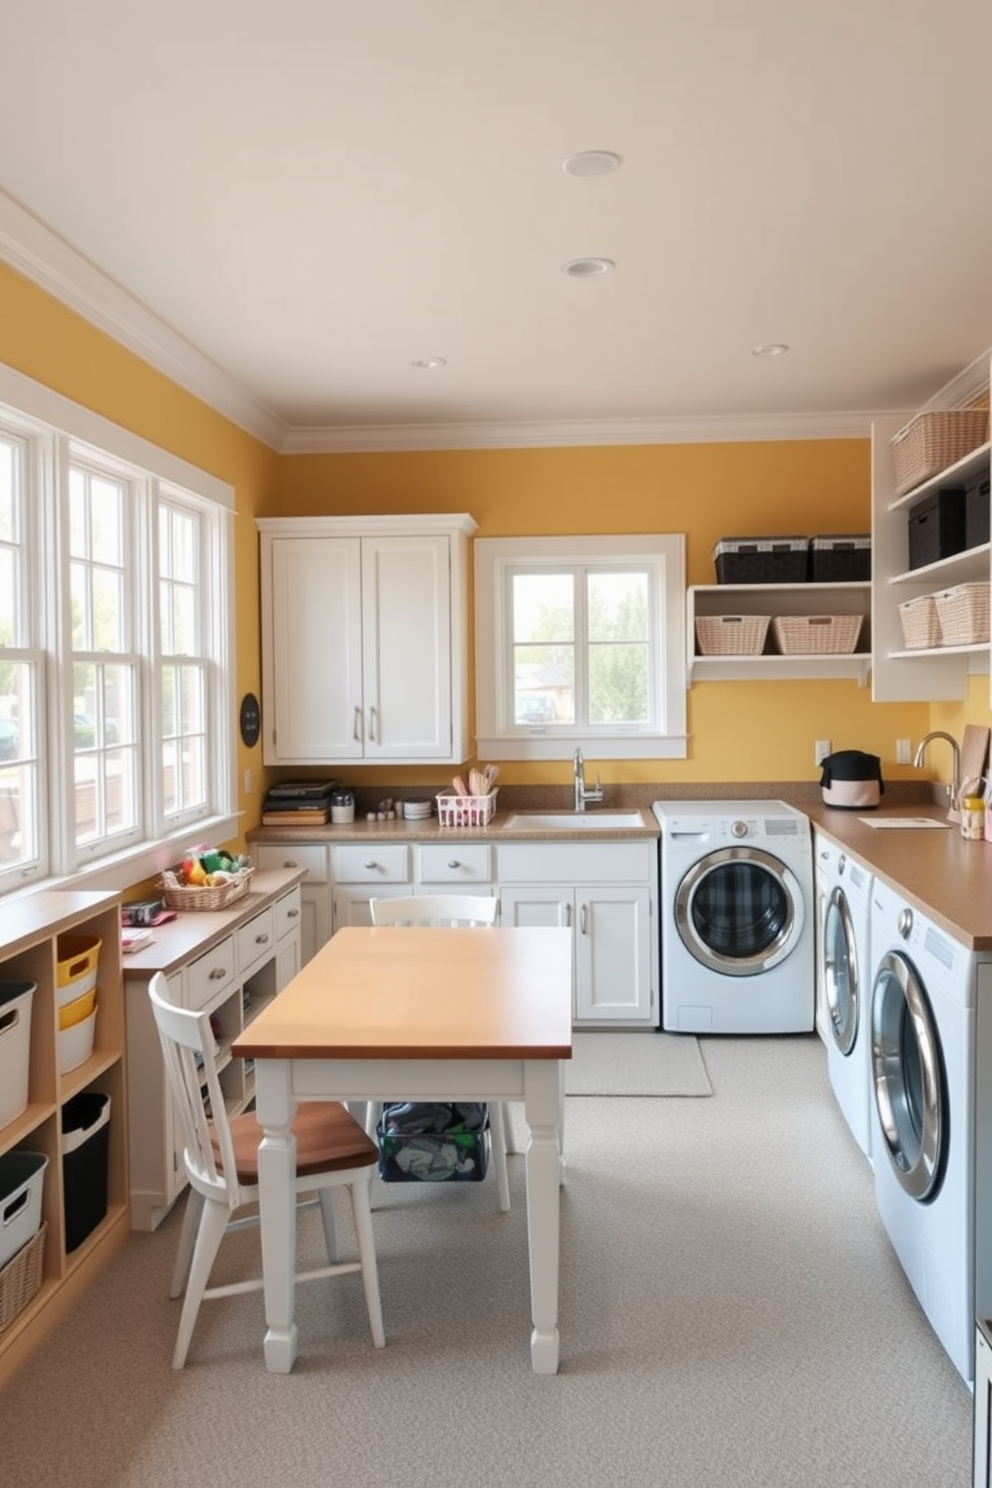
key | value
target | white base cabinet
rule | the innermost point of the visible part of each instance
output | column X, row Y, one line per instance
column 228, row 963
column 607, row 892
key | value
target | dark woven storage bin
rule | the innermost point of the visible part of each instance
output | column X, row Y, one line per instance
column 840, row 559
column 761, row 560
column 976, row 513
column 454, row 1155
column 936, row 528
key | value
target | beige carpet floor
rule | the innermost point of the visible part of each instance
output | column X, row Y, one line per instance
column 611, row 1063
column 732, row 1316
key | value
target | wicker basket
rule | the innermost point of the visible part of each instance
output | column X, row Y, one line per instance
column 920, row 623
column 466, row 811
column 219, row 896
column 21, row 1278
column 931, row 442
column 816, row 635
column 963, row 613
column 731, row 635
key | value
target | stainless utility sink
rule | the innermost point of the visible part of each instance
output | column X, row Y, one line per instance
column 574, row 821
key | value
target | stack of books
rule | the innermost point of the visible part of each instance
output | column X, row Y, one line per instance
column 298, row 803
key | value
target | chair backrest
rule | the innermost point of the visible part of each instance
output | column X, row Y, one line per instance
column 190, row 1051
column 435, row 909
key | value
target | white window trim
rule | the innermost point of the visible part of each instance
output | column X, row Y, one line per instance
column 39, row 405
column 495, row 739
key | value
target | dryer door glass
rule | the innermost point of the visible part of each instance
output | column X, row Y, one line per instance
column 739, row 911
column 840, row 970
column 907, row 1077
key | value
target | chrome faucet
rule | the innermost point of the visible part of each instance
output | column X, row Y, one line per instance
column 953, row 788
column 583, row 792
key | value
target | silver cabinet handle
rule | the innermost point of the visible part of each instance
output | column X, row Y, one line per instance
column 261, row 939
column 372, row 723
column 218, row 974
column 453, row 863
column 582, row 920
column 370, row 865
column 568, row 916
column 290, row 864
column 357, row 729
column 292, row 914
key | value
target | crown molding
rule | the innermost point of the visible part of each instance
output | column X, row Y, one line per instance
column 716, row 429
column 51, row 263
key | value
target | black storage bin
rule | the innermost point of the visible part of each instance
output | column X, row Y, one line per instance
column 761, row 560
column 840, row 558
column 85, row 1153
column 976, row 513
column 936, row 528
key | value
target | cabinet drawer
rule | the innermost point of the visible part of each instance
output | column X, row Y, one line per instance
column 287, row 913
column 377, row 863
column 308, row 855
column 256, row 939
column 211, row 974
column 449, row 863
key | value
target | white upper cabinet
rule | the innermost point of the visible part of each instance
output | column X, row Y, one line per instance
column 364, row 639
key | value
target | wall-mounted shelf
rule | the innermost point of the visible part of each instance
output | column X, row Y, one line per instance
column 932, row 674
column 779, row 599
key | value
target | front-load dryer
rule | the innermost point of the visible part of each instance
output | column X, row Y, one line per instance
column 844, row 973
column 737, row 917
column 930, row 1176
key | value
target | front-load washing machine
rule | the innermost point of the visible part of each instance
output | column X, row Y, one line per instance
column 844, row 975
column 737, row 917
column 931, row 1169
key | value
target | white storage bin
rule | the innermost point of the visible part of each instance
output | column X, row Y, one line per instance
column 76, row 1043
column 22, row 1176
column 15, row 1047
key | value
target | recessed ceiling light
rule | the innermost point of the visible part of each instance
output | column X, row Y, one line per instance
column 592, row 163
column 773, row 349
column 587, row 268
column 429, row 364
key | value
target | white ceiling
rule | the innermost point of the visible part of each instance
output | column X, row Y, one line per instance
column 284, row 205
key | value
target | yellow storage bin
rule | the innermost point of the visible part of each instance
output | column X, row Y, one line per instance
column 76, row 965
column 79, row 1008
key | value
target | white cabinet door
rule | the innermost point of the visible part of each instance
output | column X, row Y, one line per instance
column 351, row 901
column 613, row 929
column 364, row 640
column 535, row 904
column 312, row 636
column 406, row 647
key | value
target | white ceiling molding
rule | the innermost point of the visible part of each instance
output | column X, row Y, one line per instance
column 48, row 261
column 702, row 430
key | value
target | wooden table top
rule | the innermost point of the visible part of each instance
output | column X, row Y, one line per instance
column 414, row 992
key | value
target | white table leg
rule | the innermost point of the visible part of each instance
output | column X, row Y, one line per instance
column 277, row 1208
column 541, row 1105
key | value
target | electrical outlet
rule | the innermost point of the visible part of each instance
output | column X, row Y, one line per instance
column 821, row 750
column 247, row 782
column 902, row 751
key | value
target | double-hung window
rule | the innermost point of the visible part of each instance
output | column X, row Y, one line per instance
column 116, row 677
column 580, row 641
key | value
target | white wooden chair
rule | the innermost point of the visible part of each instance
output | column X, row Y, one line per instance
column 222, row 1165
column 451, row 910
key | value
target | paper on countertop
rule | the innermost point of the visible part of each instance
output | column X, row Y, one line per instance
column 902, row 821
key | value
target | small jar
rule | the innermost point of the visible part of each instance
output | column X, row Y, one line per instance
column 342, row 807
column 973, row 818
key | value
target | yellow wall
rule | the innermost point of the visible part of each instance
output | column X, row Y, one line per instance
column 740, row 731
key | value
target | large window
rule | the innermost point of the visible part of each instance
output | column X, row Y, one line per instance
column 580, row 641
column 116, row 681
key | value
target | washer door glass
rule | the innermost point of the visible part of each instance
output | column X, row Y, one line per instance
column 907, row 1077
column 739, row 910
column 840, row 971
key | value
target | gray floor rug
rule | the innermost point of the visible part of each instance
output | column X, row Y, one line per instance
column 636, row 1064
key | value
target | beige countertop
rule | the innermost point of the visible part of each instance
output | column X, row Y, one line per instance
column 939, row 872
